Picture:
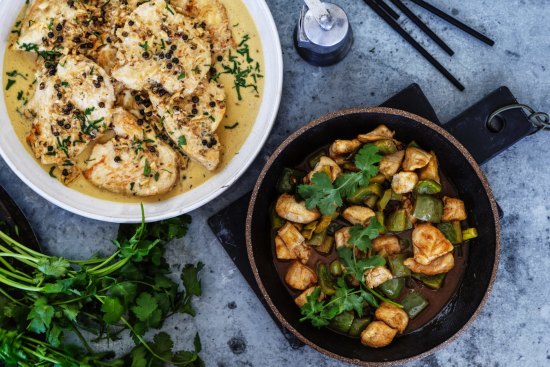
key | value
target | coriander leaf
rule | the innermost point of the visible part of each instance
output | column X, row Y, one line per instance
column 112, row 309
column 70, row 311
column 348, row 183
column 146, row 307
column 53, row 266
column 371, row 262
column 321, row 193
column 366, row 160
column 139, row 357
column 61, row 286
column 125, row 291
column 197, row 343
column 361, row 236
column 41, row 316
column 371, row 300
column 53, row 336
column 189, row 277
column 348, row 300
column 163, row 282
column 312, row 310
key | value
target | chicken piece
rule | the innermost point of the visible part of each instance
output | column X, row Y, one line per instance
column 288, row 208
column 393, row 316
column 389, row 165
column 150, row 27
column 282, row 252
column 134, row 162
column 43, row 17
column 407, row 204
column 358, row 214
column 380, row 133
column 300, row 276
column 415, row 158
column 404, row 182
column 453, row 209
column 295, row 242
column 429, row 243
column 191, row 121
column 342, row 236
column 378, row 335
column 343, row 147
column 214, row 15
column 376, row 276
column 69, row 110
column 440, row 265
column 106, row 57
column 327, row 165
column 431, row 170
column 387, row 244
column 301, row 300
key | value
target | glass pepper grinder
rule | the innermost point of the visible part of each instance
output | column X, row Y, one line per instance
column 323, row 35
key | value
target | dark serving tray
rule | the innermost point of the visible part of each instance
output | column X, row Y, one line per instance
column 229, row 224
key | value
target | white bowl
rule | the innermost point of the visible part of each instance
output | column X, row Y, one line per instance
column 28, row 170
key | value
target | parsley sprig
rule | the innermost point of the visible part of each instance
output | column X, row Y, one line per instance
column 328, row 196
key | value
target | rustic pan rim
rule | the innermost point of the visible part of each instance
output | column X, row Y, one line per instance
column 388, row 111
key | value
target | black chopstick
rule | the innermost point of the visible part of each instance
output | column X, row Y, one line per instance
column 387, row 9
column 432, row 9
column 423, row 26
column 392, row 23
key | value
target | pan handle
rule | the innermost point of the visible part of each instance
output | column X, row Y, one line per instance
column 485, row 138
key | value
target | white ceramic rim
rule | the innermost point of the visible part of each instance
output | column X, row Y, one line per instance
column 29, row 171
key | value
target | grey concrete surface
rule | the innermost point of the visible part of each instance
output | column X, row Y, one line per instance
column 513, row 328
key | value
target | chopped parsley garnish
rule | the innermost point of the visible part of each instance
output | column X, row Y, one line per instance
column 46, row 55
column 65, row 84
column 11, row 82
column 156, row 177
column 182, row 141
column 52, row 169
column 144, row 45
column 63, row 145
column 181, row 76
column 169, row 9
column 146, row 168
column 14, row 73
column 231, row 127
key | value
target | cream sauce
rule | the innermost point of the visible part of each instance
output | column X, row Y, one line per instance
column 241, row 113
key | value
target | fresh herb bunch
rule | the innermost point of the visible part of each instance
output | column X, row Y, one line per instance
column 328, row 196
column 42, row 296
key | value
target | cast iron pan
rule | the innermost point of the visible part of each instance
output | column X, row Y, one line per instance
column 456, row 163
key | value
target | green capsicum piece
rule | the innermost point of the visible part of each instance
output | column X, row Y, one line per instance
column 342, row 323
column 452, row 231
column 469, row 233
column 308, row 229
column 414, row 303
column 317, row 239
column 288, row 181
column 325, row 280
column 392, row 288
column 427, row 187
column 381, row 221
column 432, row 281
column 379, row 179
column 371, row 201
column 326, row 246
column 386, row 146
column 428, row 208
column 384, row 200
column 397, row 266
column 276, row 221
column 362, row 193
column 398, row 221
column 358, row 325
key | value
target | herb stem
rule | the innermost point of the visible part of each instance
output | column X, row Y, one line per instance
column 105, row 262
column 13, row 242
column 8, row 296
column 20, row 286
column 81, row 337
column 16, row 276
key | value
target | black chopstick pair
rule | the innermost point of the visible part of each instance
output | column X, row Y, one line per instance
column 390, row 17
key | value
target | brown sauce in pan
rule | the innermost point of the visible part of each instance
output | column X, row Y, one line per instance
column 437, row 298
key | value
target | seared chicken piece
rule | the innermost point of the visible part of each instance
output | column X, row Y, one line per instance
column 380, row 133
column 376, row 276
column 342, row 236
column 328, row 166
column 389, row 165
column 378, row 335
column 300, row 277
column 191, row 121
column 295, row 242
column 415, row 158
column 301, row 300
column 154, row 29
column 133, row 163
column 440, row 265
column 106, row 57
column 429, row 243
column 45, row 18
column 453, row 209
column 343, row 147
column 409, row 209
column 288, row 208
column 387, row 244
column 358, row 214
column 215, row 18
column 282, row 252
column 404, row 182
column 69, row 110
column 393, row 316
column 431, row 171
